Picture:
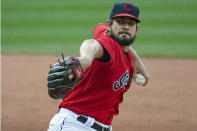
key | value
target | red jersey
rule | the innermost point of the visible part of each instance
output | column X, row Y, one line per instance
column 100, row 92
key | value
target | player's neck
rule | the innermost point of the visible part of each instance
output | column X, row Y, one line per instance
column 125, row 48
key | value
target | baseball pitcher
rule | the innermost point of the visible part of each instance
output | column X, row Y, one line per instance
column 92, row 85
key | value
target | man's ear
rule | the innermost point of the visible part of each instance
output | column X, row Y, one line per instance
column 108, row 26
column 137, row 29
column 107, row 22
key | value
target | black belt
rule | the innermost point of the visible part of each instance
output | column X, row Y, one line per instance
column 95, row 126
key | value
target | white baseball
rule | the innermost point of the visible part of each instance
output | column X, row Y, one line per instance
column 139, row 79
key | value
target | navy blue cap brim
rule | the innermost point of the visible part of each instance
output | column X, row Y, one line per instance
column 127, row 15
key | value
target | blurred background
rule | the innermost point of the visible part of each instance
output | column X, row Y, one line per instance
column 35, row 32
column 168, row 27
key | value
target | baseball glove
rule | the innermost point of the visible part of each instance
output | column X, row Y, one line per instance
column 59, row 83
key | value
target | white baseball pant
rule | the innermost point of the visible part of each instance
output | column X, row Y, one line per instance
column 66, row 120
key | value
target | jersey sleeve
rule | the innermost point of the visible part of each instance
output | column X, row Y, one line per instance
column 107, row 44
column 99, row 30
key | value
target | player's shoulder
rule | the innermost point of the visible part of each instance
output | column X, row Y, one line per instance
column 99, row 30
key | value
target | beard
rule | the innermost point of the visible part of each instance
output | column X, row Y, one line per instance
column 124, row 41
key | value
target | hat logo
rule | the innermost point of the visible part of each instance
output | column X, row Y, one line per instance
column 126, row 7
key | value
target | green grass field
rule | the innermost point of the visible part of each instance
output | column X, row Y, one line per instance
column 168, row 28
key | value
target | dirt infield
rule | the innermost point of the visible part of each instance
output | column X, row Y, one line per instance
column 168, row 103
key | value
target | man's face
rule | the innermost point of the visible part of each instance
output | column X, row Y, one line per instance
column 123, row 30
